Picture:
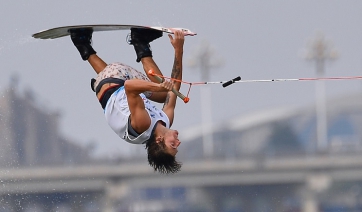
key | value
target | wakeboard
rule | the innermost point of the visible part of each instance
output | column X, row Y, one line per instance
column 59, row 32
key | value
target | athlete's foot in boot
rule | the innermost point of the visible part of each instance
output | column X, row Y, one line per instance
column 140, row 35
column 140, row 39
column 82, row 40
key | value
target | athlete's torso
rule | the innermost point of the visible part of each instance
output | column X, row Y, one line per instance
column 117, row 113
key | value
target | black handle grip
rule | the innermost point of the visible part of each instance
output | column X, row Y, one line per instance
column 231, row 81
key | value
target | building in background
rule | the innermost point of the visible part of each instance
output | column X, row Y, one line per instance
column 282, row 131
column 29, row 134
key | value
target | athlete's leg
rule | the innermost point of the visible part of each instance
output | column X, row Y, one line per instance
column 97, row 63
column 82, row 40
column 149, row 64
column 140, row 39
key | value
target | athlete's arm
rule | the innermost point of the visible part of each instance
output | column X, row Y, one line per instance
column 140, row 119
column 170, row 102
column 158, row 97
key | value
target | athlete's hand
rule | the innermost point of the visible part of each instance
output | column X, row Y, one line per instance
column 178, row 40
column 166, row 85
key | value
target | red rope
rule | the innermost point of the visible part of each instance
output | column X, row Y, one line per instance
column 177, row 80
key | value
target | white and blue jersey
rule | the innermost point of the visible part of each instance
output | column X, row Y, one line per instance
column 117, row 114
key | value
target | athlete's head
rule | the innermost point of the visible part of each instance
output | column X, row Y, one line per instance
column 162, row 150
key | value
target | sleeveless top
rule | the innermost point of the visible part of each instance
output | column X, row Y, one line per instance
column 117, row 114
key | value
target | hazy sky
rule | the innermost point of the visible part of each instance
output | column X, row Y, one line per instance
column 256, row 40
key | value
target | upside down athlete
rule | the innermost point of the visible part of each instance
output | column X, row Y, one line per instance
column 125, row 93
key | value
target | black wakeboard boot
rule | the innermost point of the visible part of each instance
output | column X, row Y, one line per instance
column 140, row 39
column 82, row 40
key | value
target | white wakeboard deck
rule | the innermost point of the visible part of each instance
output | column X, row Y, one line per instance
column 59, row 32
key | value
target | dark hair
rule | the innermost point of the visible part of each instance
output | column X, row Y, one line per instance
column 159, row 159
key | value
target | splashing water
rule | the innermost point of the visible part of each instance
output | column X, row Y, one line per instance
column 16, row 41
column 26, row 40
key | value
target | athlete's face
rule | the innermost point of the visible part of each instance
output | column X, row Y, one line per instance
column 172, row 142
